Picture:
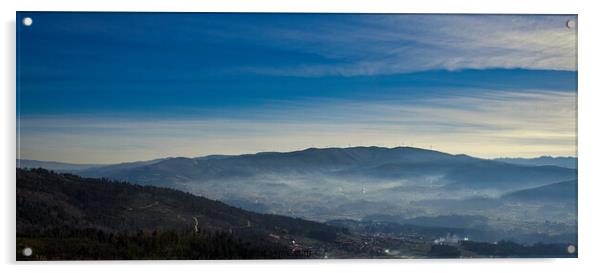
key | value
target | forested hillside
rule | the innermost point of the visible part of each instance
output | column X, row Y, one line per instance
column 63, row 216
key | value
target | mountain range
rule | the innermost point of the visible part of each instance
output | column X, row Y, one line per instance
column 561, row 161
column 348, row 163
column 401, row 184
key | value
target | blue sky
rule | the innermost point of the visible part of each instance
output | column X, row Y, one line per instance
column 113, row 87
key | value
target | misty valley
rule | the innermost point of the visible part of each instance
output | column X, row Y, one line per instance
column 346, row 202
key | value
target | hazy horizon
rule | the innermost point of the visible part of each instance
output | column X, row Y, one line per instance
column 137, row 89
column 288, row 151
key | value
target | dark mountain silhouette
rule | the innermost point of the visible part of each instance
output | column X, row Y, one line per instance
column 52, row 205
column 109, row 205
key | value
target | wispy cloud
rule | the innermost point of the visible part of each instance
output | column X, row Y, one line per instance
column 509, row 123
column 388, row 44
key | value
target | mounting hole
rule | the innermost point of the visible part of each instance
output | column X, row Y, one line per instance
column 571, row 249
column 571, row 24
column 27, row 251
column 27, row 21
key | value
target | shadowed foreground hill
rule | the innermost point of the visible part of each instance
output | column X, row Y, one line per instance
column 63, row 216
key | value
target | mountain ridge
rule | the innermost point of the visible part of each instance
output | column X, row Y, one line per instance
column 371, row 162
column 564, row 191
column 560, row 161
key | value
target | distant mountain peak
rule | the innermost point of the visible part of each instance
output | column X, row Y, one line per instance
column 560, row 161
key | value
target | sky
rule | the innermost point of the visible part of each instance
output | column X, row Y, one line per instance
column 118, row 87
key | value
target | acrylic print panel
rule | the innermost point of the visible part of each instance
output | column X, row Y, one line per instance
column 287, row 136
